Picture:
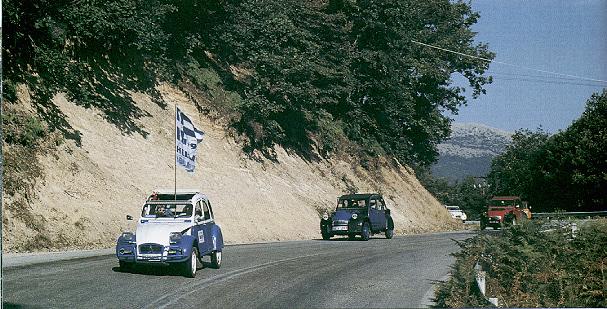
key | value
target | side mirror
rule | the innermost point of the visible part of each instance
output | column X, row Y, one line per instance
column 129, row 217
column 199, row 218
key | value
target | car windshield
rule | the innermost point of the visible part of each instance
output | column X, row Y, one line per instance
column 166, row 210
column 352, row 203
column 504, row 203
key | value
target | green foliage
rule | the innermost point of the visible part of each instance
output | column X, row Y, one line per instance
column 512, row 173
column 565, row 171
column 528, row 267
column 461, row 289
column 21, row 129
column 469, row 194
column 95, row 52
column 315, row 75
column 354, row 61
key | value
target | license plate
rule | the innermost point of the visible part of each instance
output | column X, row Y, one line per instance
column 340, row 228
column 150, row 257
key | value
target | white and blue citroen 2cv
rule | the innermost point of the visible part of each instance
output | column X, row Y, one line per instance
column 175, row 228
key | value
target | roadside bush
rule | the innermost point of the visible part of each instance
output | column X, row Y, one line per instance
column 528, row 266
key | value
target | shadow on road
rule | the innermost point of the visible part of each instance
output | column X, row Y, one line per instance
column 348, row 239
column 8, row 305
column 158, row 270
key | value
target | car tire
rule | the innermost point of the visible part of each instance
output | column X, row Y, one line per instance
column 326, row 233
column 365, row 231
column 389, row 233
column 216, row 258
column 191, row 264
column 125, row 266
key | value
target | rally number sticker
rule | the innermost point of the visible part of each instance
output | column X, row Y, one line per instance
column 200, row 236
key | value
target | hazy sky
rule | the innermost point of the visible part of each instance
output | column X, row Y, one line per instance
column 565, row 36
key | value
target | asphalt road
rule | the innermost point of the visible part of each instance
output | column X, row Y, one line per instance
column 399, row 272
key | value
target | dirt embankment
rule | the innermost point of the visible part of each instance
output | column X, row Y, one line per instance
column 87, row 191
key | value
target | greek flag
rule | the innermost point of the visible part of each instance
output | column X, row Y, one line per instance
column 187, row 141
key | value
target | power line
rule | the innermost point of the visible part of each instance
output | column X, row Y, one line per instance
column 510, row 64
column 554, row 82
column 547, row 77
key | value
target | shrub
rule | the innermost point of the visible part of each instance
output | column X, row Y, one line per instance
column 528, row 266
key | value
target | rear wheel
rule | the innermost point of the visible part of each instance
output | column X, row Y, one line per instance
column 389, row 233
column 366, row 231
column 216, row 259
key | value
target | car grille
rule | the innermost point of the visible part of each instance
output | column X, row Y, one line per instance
column 150, row 249
column 340, row 222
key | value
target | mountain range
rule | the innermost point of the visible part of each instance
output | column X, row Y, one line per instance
column 469, row 151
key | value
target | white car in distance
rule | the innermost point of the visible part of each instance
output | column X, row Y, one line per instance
column 456, row 213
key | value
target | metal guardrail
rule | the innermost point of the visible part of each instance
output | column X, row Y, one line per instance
column 573, row 214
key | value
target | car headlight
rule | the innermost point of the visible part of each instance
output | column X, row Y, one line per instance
column 128, row 236
column 354, row 216
column 175, row 237
column 325, row 216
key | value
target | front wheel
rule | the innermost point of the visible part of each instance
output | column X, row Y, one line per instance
column 125, row 266
column 389, row 234
column 326, row 233
column 190, row 266
column 366, row 231
column 216, row 259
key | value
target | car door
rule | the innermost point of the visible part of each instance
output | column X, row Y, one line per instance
column 206, row 241
column 375, row 214
column 199, row 229
column 381, row 207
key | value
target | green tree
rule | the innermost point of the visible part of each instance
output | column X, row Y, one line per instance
column 566, row 171
column 351, row 66
column 574, row 168
column 514, row 171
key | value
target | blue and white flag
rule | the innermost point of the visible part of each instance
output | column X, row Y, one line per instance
column 187, row 141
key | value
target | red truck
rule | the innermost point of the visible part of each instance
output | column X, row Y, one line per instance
column 505, row 210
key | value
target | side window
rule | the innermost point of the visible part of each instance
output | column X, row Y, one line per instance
column 373, row 203
column 205, row 210
column 211, row 210
column 198, row 209
column 383, row 204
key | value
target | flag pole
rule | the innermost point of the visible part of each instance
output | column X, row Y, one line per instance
column 175, row 149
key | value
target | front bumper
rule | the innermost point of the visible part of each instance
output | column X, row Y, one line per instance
column 342, row 228
column 168, row 255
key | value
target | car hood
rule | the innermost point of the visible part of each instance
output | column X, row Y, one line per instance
column 158, row 231
column 345, row 214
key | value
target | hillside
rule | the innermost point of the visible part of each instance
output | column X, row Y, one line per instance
column 469, row 150
column 86, row 191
